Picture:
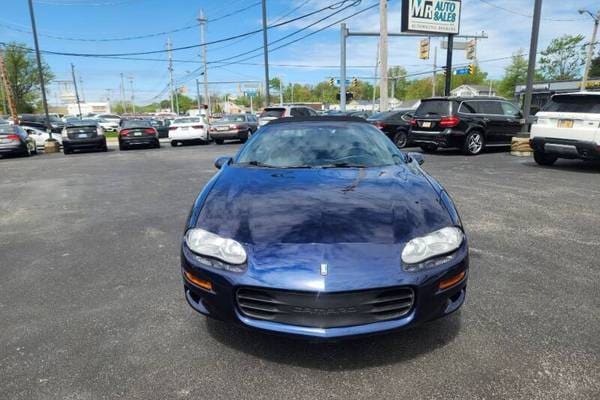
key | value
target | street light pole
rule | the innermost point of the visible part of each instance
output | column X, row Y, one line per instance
column 383, row 52
column 40, row 69
column 590, row 52
column 202, row 21
column 266, row 51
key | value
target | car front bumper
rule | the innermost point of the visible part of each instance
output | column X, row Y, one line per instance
column 446, row 138
column 98, row 142
column 566, row 148
column 429, row 301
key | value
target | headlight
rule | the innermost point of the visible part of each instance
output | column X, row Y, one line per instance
column 437, row 243
column 208, row 244
column 64, row 133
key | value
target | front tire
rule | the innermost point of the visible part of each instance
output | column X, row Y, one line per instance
column 474, row 143
column 173, row 143
column 401, row 139
column 219, row 141
column 544, row 159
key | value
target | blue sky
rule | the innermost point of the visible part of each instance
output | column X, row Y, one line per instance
column 307, row 61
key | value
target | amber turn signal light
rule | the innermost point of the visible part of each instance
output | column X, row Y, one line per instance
column 448, row 283
column 206, row 285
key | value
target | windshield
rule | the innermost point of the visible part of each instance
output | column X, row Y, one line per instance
column 320, row 145
column 434, row 107
column 187, row 120
column 232, row 118
column 574, row 104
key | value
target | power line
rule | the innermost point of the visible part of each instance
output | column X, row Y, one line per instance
column 489, row 3
column 226, row 39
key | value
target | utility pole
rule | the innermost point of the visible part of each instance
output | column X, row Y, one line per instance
column 266, row 51
column 76, row 92
column 198, row 95
column 40, row 69
column 448, row 85
column 202, row 20
column 169, row 46
column 590, row 52
column 434, row 72
column 344, row 32
column 535, row 31
column 383, row 51
column 122, row 89
column 375, row 79
column 132, row 94
column 7, row 91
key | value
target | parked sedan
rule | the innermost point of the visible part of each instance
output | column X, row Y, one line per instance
column 395, row 124
column 321, row 228
column 136, row 133
column 15, row 141
column 189, row 129
column 41, row 136
column 235, row 126
column 83, row 134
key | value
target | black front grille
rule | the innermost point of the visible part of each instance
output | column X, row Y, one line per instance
column 325, row 310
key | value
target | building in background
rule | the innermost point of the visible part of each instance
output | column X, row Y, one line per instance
column 542, row 91
column 473, row 91
column 89, row 108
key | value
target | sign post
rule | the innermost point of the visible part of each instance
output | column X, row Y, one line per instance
column 434, row 16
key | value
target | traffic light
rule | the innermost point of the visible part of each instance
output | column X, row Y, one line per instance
column 471, row 69
column 424, row 49
column 355, row 82
column 331, row 81
column 471, row 49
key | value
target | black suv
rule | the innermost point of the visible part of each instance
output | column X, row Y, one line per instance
column 395, row 124
column 469, row 123
column 39, row 121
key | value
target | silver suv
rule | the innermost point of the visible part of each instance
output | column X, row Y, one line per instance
column 271, row 113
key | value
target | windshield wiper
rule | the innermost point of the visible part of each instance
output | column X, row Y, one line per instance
column 257, row 164
column 342, row 165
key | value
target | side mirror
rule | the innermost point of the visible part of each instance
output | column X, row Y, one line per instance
column 418, row 157
column 219, row 162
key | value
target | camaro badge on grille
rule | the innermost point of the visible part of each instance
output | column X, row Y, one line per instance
column 323, row 269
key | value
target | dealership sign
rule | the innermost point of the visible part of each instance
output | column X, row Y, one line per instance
column 431, row 16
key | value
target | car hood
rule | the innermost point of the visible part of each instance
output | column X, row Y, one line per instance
column 263, row 206
column 354, row 220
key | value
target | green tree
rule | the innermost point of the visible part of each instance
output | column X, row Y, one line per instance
column 563, row 58
column 398, row 74
column 595, row 68
column 22, row 73
column 514, row 74
column 419, row 89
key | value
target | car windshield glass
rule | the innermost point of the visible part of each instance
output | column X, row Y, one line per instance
column 272, row 112
column 136, row 123
column 434, row 107
column 320, row 145
column 574, row 104
column 55, row 119
column 232, row 118
column 187, row 120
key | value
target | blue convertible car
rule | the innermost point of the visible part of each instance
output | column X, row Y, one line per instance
column 321, row 228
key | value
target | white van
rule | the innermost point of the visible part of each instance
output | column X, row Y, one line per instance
column 567, row 127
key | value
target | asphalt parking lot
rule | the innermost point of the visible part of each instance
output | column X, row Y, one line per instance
column 92, row 306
